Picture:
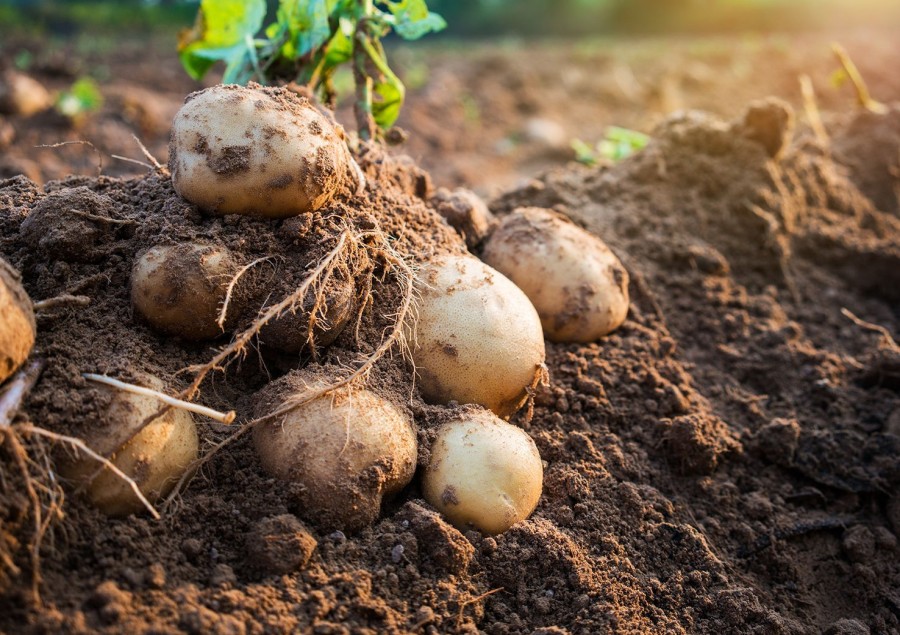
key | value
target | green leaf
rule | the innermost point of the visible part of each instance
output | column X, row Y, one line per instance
column 307, row 23
column 621, row 142
column 583, row 152
column 390, row 94
column 412, row 19
column 388, row 90
column 82, row 97
column 340, row 48
column 220, row 32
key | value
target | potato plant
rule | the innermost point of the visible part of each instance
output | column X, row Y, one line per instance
column 306, row 44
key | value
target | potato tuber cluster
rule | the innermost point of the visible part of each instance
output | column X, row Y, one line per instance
column 338, row 449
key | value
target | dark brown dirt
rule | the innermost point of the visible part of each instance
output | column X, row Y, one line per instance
column 726, row 462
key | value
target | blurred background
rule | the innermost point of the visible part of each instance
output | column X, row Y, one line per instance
column 509, row 88
column 491, row 18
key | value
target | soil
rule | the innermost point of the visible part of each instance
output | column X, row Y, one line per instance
column 726, row 461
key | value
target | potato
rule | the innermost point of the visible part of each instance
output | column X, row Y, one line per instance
column 577, row 285
column 341, row 453
column 22, row 95
column 484, row 473
column 179, row 290
column 260, row 151
column 289, row 333
column 477, row 338
column 155, row 457
column 17, row 325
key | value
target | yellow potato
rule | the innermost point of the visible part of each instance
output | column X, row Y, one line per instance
column 254, row 150
column 179, row 290
column 342, row 453
column 477, row 338
column 155, row 457
column 17, row 325
column 484, row 473
column 578, row 286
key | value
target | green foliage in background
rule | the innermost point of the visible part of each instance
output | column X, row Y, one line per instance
column 617, row 144
column 81, row 98
column 306, row 43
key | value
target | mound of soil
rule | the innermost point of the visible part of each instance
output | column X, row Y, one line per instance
column 727, row 461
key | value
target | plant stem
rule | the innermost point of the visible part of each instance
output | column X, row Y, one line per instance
column 863, row 97
column 365, row 123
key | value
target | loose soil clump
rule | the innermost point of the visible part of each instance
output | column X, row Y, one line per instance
column 726, row 461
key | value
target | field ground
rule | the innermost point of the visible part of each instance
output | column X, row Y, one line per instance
column 725, row 462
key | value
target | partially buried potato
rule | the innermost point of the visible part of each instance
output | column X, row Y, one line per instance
column 339, row 454
column 476, row 339
column 254, row 150
column 577, row 284
column 17, row 325
column 155, row 456
column 180, row 289
column 484, row 473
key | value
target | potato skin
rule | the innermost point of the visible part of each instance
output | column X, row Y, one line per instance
column 484, row 473
column 17, row 325
column 179, row 290
column 477, row 338
column 254, row 150
column 341, row 453
column 155, row 457
column 577, row 284
column 289, row 333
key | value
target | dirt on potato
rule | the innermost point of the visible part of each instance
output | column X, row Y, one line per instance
column 725, row 462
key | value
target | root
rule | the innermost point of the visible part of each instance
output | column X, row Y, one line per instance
column 44, row 494
column 471, row 601
column 877, row 328
column 81, row 446
column 863, row 96
column 403, row 274
column 61, row 300
column 223, row 313
column 221, row 417
column 240, row 342
column 81, row 143
column 147, row 154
